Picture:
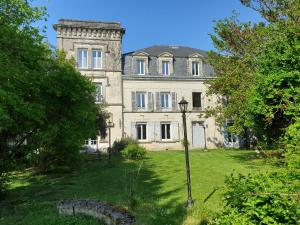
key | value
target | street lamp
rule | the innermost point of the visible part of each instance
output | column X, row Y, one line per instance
column 183, row 108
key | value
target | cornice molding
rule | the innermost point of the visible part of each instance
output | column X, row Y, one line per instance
column 91, row 33
column 164, row 78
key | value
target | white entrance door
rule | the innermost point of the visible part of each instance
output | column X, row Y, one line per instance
column 198, row 135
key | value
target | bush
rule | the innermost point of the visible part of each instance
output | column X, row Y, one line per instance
column 134, row 151
column 120, row 145
column 260, row 199
column 55, row 160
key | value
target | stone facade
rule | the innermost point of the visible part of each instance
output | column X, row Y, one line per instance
column 142, row 88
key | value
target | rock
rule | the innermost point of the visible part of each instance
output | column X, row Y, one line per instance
column 110, row 214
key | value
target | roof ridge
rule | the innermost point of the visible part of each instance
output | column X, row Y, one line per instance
column 176, row 50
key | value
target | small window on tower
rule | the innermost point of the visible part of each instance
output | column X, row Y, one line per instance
column 99, row 93
column 82, row 58
column 96, row 59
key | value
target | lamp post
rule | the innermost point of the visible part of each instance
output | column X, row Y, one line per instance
column 183, row 108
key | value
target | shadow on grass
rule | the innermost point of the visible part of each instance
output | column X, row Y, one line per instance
column 32, row 198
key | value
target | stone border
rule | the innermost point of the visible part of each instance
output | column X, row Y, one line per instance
column 110, row 214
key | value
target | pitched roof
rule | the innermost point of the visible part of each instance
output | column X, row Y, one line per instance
column 176, row 51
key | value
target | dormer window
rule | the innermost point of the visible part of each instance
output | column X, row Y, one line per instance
column 140, row 67
column 195, row 69
column 195, row 64
column 140, row 63
column 96, row 59
column 165, row 68
column 165, row 64
column 82, row 58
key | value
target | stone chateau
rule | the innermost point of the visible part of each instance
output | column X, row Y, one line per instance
column 142, row 88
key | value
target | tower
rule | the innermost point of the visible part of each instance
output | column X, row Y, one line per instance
column 96, row 47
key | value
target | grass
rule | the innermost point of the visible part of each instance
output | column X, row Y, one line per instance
column 154, row 189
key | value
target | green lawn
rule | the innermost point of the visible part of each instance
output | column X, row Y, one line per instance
column 154, row 190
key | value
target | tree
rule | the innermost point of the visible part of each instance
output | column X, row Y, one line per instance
column 21, row 58
column 70, row 114
column 267, row 102
column 46, row 106
column 246, row 61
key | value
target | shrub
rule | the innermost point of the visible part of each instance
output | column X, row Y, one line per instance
column 182, row 141
column 121, row 144
column 260, row 199
column 134, row 151
column 55, row 160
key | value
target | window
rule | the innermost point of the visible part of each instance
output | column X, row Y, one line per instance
column 196, row 99
column 140, row 67
column 99, row 92
column 141, row 130
column 165, row 131
column 195, row 68
column 165, row 100
column 91, row 141
column 82, row 58
column 96, row 59
column 231, row 137
column 141, row 100
column 165, row 68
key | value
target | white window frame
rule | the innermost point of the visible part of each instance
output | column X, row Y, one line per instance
column 165, row 67
column 197, row 67
column 90, row 141
column 140, row 66
column 143, row 126
column 84, row 64
column 95, row 60
column 100, row 98
column 138, row 100
column 165, row 96
column 165, row 124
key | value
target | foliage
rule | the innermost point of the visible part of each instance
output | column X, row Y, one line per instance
column 182, row 141
column 22, row 57
column 70, row 114
column 257, row 65
column 260, row 199
column 134, row 151
column 274, row 102
column 121, row 144
column 46, row 106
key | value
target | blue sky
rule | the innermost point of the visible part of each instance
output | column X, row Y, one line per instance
column 151, row 22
